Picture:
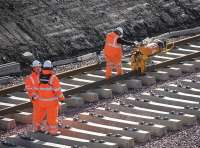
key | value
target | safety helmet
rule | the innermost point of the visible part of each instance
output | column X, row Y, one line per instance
column 36, row 63
column 47, row 64
column 119, row 29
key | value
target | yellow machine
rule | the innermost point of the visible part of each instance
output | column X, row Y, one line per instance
column 142, row 52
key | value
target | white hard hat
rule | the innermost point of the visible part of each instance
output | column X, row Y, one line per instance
column 36, row 63
column 119, row 29
column 47, row 64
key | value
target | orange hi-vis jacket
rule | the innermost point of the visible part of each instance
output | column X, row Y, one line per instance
column 51, row 91
column 31, row 84
column 112, row 50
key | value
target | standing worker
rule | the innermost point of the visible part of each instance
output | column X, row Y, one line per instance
column 31, row 85
column 49, row 95
column 113, row 51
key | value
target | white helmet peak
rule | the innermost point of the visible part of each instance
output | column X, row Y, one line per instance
column 36, row 63
column 119, row 29
column 47, row 64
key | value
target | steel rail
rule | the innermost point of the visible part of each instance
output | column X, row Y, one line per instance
column 14, row 109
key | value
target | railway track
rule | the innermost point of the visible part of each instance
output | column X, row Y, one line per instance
column 119, row 123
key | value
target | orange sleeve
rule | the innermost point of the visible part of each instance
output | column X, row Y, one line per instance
column 57, row 88
column 29, row 86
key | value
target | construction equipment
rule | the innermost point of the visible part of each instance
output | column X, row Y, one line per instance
column 142, row 52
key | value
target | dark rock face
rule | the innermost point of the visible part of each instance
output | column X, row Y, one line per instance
column 53, row 29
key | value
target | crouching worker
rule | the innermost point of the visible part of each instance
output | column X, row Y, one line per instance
column 31, row 85
column 143, row 53
column 113, row 51
column 49, row 95
column 138, row 62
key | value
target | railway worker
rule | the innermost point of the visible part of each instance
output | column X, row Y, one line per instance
column 49, row 95
column 113, row 51
column 138, row 61
column 31, row 84
column 143, row 53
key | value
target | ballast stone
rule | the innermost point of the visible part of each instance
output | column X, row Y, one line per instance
column 74, row 101
column 119, row 88
column 104, row 93
column 23, row 117
column 173, row 71
column 90, row 97
column 7, row 123
column 160, row 75
column 196, row 63
column 148, row 80
column 134, row 84
column 187, row 68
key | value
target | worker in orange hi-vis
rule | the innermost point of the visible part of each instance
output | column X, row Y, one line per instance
column 49, row 95
column 31, row 85
column 113, row 51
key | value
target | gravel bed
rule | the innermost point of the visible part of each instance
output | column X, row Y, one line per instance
column 15, row 81
column 187, row 137
column 20, row 129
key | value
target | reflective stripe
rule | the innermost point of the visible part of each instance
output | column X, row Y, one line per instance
column 57, row 89
column 48, row 99
column 47, row 89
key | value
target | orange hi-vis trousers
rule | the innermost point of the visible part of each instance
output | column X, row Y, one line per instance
column 31, row 83
column 50, row 109
column 111, row 66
